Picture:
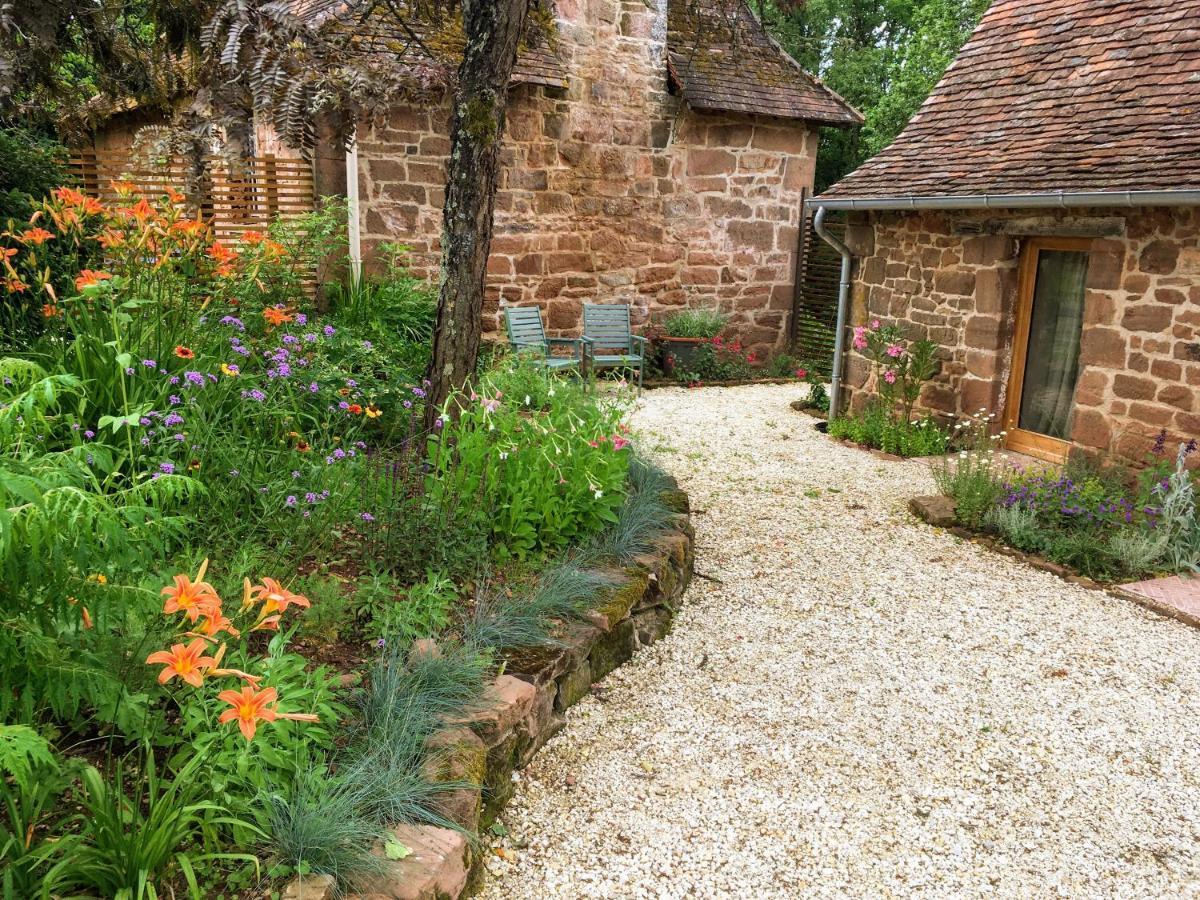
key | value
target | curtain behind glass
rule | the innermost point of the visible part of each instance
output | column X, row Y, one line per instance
column 1052, row 361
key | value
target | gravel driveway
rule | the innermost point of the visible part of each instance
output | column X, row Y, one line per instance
column 854, row 704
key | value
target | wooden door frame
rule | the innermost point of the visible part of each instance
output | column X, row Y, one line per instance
column 1017, row 439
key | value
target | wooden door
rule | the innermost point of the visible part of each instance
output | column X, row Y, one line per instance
column 1045, row 359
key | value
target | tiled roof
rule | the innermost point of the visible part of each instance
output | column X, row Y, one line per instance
column 721, row 58
column 1055, row 95
column 535, row 64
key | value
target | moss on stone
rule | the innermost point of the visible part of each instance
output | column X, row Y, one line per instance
column 617, row 605
column 613, row 649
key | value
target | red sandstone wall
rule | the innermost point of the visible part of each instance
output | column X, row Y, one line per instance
column 611, row 191
column 1140, row 349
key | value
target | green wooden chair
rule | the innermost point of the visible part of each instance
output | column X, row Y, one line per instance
column 609, row 338
column 525, row 334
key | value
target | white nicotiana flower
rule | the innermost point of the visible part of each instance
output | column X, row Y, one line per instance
column 527, row 400
column 599, row 493
column 491, row 426
column 504, row 454
column 550, row 393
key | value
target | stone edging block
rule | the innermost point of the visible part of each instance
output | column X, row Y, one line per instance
column 523, row 709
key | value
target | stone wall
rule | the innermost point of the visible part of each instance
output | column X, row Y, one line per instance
column 612, row 191
column 1140, row 349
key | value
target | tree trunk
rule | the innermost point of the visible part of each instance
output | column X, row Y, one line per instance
column 493, row 30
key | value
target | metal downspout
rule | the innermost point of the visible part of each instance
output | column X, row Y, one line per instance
column 839, row 341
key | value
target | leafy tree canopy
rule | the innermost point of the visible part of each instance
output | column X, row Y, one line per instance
column 883, row 56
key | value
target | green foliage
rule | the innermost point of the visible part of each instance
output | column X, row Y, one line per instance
column 972, row 478
column 716, row 361
column 643, row 517
column 875, row 427
column 1086, row 516
column 1179, row 517
column 317, row 825
column 552, row 475
column 31, row 165
column 883, row 56
column 697, row 322
column 423, row 610
column 135, row 842
column 30, row 784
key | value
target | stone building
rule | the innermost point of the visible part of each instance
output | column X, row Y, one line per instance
column 655, row 155
column 1039, row 219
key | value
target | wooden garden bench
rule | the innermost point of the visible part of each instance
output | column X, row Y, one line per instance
column 609, row 338
column 525, row 333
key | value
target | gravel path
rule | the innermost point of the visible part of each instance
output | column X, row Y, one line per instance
column 861, row 705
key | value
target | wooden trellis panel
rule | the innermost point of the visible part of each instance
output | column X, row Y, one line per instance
column 814, row 313
column 269, row 187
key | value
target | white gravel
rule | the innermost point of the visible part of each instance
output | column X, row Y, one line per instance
column 861, row 705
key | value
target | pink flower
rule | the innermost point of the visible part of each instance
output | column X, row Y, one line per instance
column 889, row 376
column 874, row 324
column 860, row 338
column 619, row 443
column 894, row 350
column 802, row 373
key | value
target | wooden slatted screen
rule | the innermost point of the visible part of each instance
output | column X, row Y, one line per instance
column 814, row 315
column 270, row 187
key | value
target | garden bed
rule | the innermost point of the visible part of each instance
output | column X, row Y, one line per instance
column 1168, row 596
column 523, row 709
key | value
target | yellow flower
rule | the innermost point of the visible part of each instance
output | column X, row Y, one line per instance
column 231, row 371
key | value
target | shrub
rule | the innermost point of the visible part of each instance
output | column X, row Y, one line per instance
column 876, row 427
column 422, row 611
column 701, row 322
column 901, row 369
column 974, row 477
column 553, row 475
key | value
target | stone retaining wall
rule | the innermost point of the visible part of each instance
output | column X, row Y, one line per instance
column 523, row 709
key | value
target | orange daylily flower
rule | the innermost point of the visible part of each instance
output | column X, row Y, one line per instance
column 253, row 237
column 188, row 226
column 36, row 236
column 88, row 277
column 221, row 253
column 92, row 206
column 7, row 253
column 185, row 352
column 276, row 316
column 69, row 196
column 49, row 310
column 194, row 598
column 276, row 597
column 142, row 211
column 123, row 187
column 214, row 623
column 15, row 285
column 187, row 662
column 249, row 706
column 110, row 238
column 174, row 196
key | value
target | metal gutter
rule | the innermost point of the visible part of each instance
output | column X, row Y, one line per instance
column 839, row 341
column 1055, row 200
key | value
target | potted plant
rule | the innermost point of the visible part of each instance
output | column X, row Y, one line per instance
column 685, row 333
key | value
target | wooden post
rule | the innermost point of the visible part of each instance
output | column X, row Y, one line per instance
column 329, row 180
